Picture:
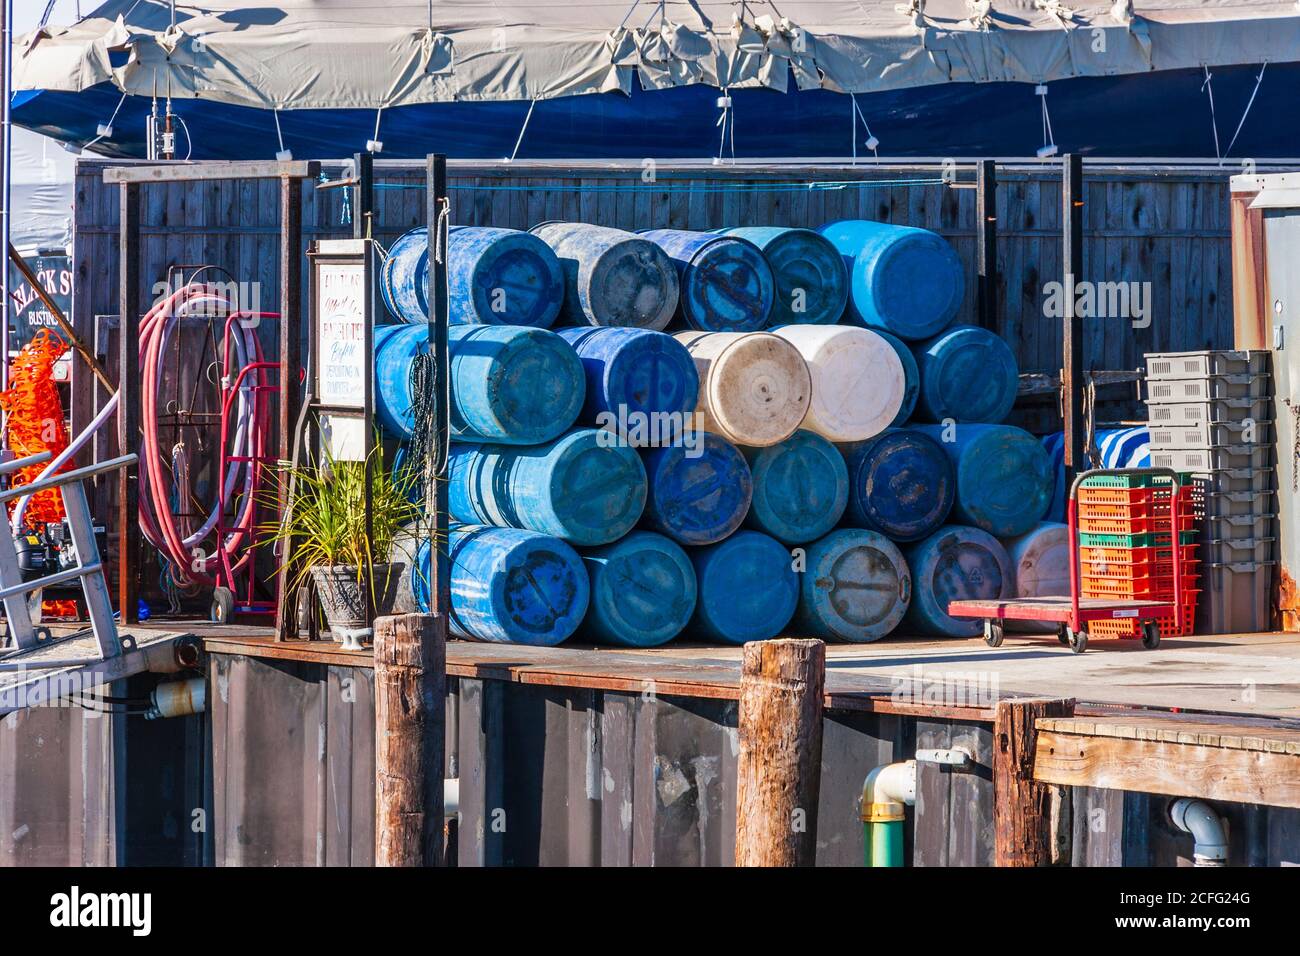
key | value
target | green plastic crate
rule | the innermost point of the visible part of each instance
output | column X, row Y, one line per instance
column 1155, row 539
column 1133, row 481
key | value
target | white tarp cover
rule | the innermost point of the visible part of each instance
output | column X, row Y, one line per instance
column 335, row 53
column 41, row 190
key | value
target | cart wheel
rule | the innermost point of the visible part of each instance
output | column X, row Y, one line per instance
column 223, row 605
column 1063, row 634
column 1150, row 635
column 1078, row 640
column 993, row 633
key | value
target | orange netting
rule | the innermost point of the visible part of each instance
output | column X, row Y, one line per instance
column 35, row 420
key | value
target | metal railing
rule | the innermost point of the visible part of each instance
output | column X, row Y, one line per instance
column 85, row 567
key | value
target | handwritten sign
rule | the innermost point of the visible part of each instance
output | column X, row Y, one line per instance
column 341, row 334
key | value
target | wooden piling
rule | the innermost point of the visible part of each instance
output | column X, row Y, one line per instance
column 410, row 687
column 779, row 767
column 1023, row 833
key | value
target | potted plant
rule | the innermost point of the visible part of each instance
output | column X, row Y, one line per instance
column 326, row 523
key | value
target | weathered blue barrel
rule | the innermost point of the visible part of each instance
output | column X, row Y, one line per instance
column 904, row 280
column 748, row 588
column 634, row 375
column 611, row 277
column 955, row 563
column 726, row 284
column 1004, row 477
column 901, row 483
column 406, row 474
column 494, row 277
column 699, row 489
column 1040, row 567
column 508, row 586
column 510, row 384
column 968, row 374
column 855, row 587
column 642, row 591
column 911, row 378
column 581, row 487
column 812, row 284
column 801, row 487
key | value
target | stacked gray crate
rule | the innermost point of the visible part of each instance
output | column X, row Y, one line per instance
column 1211, row 414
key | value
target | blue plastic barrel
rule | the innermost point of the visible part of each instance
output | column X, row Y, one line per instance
column 812, row 284
column 911, row 378
column 508, row 586
column 494, row 277
column 968, row 374
column 748, row 589
column 611, row 277
column 726, row 284
column 904, row 280
column 642, row 591
column 1004, row 477
column 855, row 587
column 584, row 487
column 801, row 488
column 510, row 384
column 633, row 376
column 956, row 563
column 1116, row 447
column 699, row 489
column 901, row 483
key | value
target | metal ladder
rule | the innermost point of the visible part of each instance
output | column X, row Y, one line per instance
column 88, row 567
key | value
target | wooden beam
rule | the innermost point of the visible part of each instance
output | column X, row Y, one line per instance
column 1271, row 778
column 128, row 396
column 410, row 713
column 779, row 766
column 1022, row 806
column 1072, row 359
column 178, row 172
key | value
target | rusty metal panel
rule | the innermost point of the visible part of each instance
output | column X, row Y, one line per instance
column 1096, row 827
column 953, row 819
column 349, row 794
column 852, row 745
column 481, row 757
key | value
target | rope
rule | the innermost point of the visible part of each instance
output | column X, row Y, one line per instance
column 1214, row 123
column 1249, row 103
column 523, row 129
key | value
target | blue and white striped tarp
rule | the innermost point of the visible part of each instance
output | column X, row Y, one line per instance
column 1119, row 448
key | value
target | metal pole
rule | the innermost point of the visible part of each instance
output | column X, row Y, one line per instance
column 363, row 205
column 437, row 213
column 6, row 154
column 1072, row 365
column 986, row 242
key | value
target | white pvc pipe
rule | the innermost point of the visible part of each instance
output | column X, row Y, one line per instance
column 889, row 788
column 1210, row 846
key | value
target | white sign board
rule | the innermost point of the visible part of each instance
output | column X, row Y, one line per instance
column 341, row 334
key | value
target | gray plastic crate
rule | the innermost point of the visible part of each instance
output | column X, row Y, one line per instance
column 1215, row 388
column 1223, row 410
column 1181, row 365
column 1240, row 527
column 1235, row 480
column 1196, row 435
column 1222, row 458
column 1235, row 598
column 1235, row 504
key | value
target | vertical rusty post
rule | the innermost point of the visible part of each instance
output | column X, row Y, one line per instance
column 291, row 390
column 410, row 716
column 128, row 397
column 1072, row 357
column 438, row 215
column 778, row 774
column 1022, row 807
column 363, row 193
column 986, row 242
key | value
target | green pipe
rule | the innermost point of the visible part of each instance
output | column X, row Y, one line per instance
column 883, row 843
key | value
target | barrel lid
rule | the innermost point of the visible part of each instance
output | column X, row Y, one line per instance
column 758, row 389
column 857, row 584
column 654, row 374
column 956, row 563
column 727, row 286
column 748, row 590
column 801, row 488
column 969, row 375
column 1041, row 560
column 632, row 283
column 517, row 280
column 901, row 483
column 598, row 490
column 917, row 283
column 643, row 589
column 536, row 384
column 542, row 589
column 1004, row 479
column 857, row 380
column 698, row 498
column 812, row 282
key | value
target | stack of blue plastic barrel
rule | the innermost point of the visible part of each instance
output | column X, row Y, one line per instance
column 726, row 436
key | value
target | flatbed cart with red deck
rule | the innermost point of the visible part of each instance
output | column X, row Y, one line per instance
column 1073, row 613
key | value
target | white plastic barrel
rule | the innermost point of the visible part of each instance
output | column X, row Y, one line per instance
column 754, row 387
column 858, row 382
column 1040, row 567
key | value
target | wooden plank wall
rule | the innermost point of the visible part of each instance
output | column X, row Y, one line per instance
column 1166, row 226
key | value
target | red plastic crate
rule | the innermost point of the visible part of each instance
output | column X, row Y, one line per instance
column 1133, row 525
column 1129, row 628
